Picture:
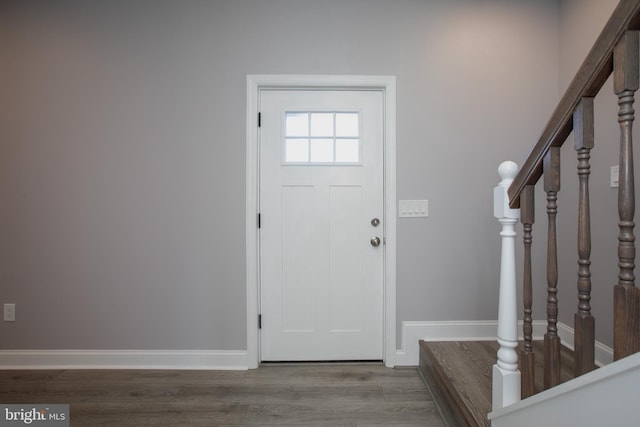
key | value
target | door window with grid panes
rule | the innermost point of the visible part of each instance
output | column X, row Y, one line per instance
column 322, row 138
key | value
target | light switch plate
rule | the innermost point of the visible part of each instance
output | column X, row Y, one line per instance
column 615, row 176
column 413, row 208
column 9, row 313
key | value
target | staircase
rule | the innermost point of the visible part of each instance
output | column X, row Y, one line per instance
column 542, row 383
column 459, row 375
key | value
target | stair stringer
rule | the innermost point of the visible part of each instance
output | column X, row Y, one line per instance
column 606, row 396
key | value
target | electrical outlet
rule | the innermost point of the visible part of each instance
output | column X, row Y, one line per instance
column 9, row 312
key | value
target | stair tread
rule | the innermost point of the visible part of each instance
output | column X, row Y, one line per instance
column 461, row 371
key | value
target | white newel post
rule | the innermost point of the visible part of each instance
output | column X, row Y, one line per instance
column 506, row 376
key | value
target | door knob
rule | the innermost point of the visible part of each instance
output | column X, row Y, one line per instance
column 375, row 242
column 375, row 222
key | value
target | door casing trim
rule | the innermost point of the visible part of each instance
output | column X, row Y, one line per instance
column 386, row 84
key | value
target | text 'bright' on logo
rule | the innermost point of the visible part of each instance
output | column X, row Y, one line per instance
column 40, row 415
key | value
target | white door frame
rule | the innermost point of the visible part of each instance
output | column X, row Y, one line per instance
column 385, row 84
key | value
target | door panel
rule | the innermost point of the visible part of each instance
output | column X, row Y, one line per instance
column 297, row 252
column 346, row 258
column 321, row 183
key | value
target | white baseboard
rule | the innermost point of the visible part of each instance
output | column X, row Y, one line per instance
column 481, row 330
column 412, row 332
column 603, row 353
column 124, row 359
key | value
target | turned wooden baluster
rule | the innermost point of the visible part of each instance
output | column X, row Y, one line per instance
column 527, row 357
column 626, row 300
column 551, row 169
column 584, row 338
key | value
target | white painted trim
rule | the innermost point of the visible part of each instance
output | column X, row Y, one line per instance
column 251, row 205
column 387, row 84
column 596, row 401
column 124, row 359
column 477, row 330
column 603, row 353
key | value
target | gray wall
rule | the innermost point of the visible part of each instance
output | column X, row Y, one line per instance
column 122, row 159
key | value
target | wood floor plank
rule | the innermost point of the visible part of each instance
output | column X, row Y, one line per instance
column 302, row 395
column 382, row 413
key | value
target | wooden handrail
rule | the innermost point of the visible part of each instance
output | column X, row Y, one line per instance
column 587, row 83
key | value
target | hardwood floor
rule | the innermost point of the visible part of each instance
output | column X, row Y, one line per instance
column 300, row 395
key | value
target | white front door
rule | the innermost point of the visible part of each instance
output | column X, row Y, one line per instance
column 321, row 231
